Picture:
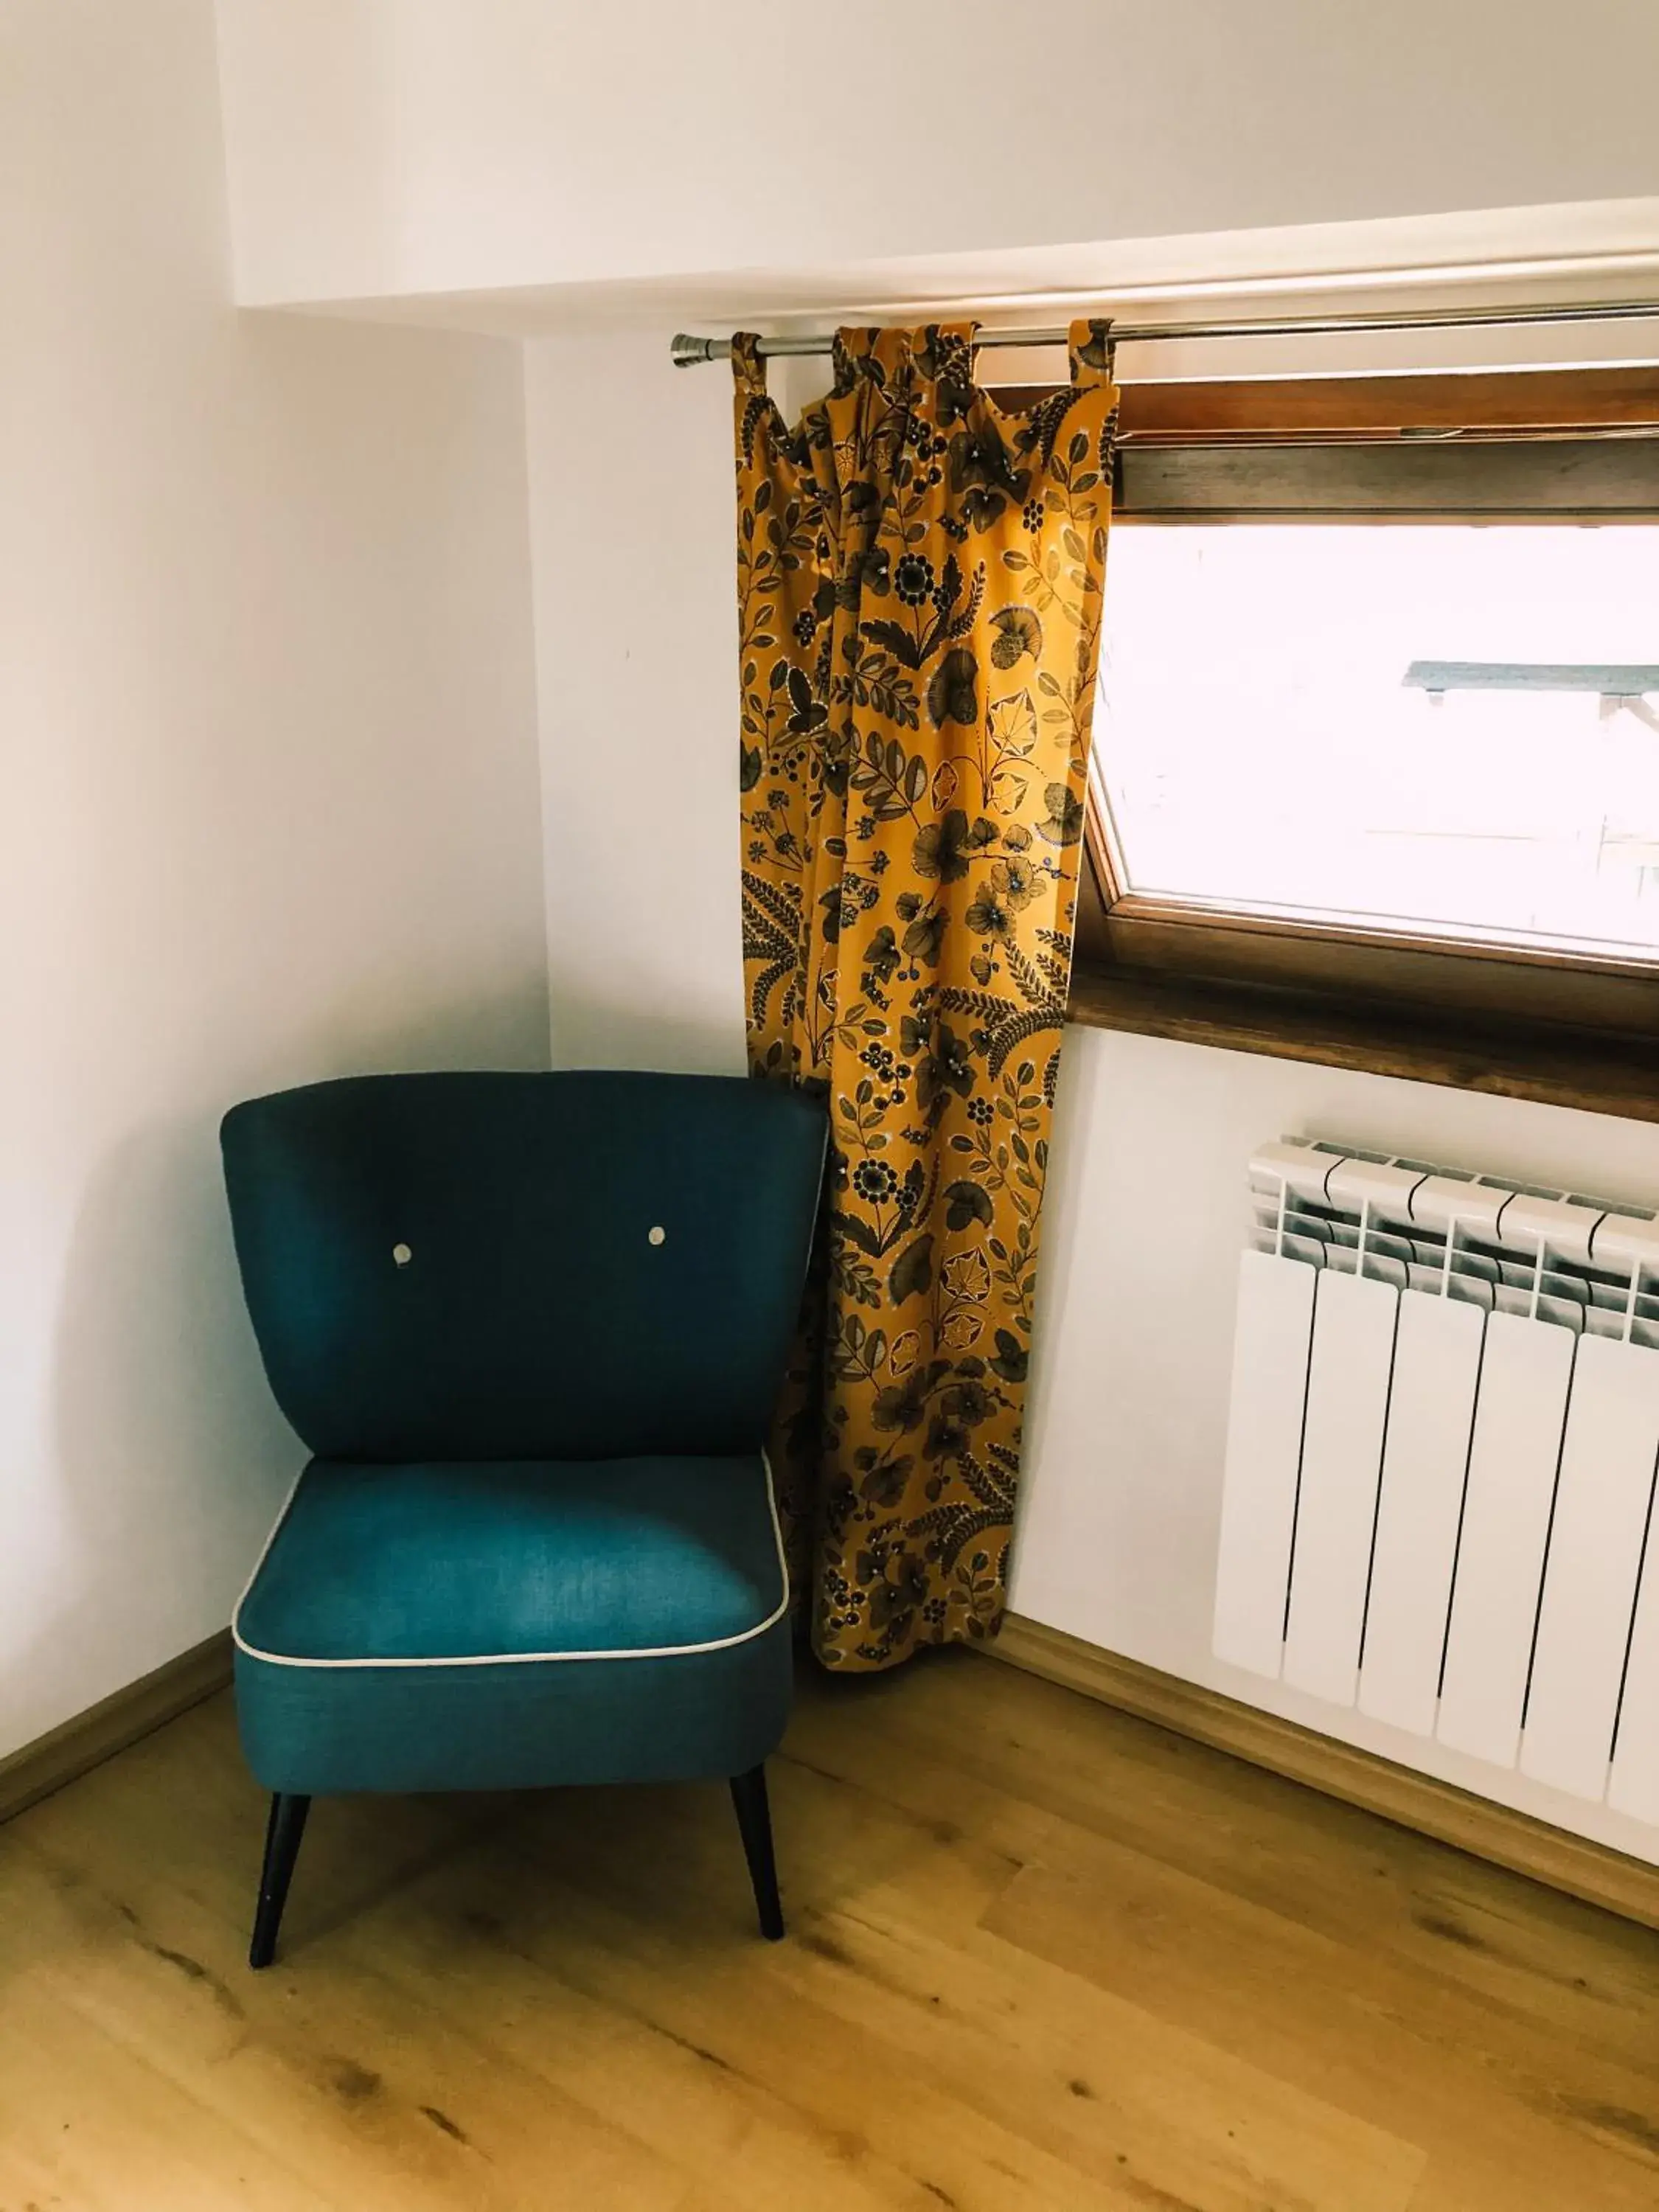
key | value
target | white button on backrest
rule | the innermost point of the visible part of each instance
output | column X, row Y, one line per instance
column 401, row 1255
column 656, row 1236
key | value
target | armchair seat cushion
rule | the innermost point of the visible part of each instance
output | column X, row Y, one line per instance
column 510, row 1624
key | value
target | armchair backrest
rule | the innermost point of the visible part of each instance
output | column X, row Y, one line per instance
column 582, row 1266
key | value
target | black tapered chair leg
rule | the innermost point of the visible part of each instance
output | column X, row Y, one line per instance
column 755, row 1825
column 282, row 1833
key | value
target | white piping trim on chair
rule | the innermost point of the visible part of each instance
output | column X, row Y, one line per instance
column 518, row 1658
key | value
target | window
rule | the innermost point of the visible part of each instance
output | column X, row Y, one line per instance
column 1379, row 708
column 1449, row 731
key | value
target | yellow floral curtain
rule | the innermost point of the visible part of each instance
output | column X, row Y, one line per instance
column 919, row 577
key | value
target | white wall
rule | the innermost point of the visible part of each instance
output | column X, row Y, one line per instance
column 427, row 146
column 269, row 808
column 631, row 497
column 1144, row 1218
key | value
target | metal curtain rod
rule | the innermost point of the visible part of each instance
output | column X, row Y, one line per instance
column 688, row 350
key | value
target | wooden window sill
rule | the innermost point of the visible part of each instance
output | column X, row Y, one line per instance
column 1549, row 1063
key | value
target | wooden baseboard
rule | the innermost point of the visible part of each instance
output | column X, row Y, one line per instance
column 91, row 1737
column 1584, row 1869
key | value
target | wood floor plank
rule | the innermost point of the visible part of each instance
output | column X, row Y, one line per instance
column 1309, row 2010
column 1565, row 1964
column 1043, row 1958
column 1565, row 1977
column 374, row 2093
column 89, row 2124
column 896, row 1959
column 1109, row 2083
column 856, row 2098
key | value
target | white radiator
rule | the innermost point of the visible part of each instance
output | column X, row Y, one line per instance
column 1442, row 1448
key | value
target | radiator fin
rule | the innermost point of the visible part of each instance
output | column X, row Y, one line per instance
column 1264, row 1449
column 1425, row 1462
column 1341, row 1456
column 1524, row 1379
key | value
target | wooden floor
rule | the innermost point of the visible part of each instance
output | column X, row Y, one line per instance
column 1042, row 1956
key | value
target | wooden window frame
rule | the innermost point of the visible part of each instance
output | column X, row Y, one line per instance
column 1567, row 1027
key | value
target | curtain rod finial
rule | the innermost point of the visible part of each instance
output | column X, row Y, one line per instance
column 689, row 351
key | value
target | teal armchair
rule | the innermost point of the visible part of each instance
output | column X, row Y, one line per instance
column 531, row 1329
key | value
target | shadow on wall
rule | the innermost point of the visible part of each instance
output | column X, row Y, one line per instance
column 595, row 1032
column 165, row 1457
